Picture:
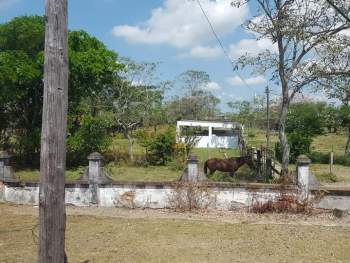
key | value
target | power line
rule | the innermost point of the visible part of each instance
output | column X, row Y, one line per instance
column 220, row 43
column 213, row 31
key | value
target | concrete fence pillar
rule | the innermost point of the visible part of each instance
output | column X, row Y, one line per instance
column 303, row 176
column 6, row 172
column 95, row 175
column 192, row 168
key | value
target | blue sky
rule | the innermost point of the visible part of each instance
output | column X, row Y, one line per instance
column 173, row 32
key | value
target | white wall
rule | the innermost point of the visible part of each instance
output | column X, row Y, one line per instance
column 138, row 197
column 212, row 140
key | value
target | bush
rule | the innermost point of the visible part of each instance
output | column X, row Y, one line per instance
column 189, row 196
column 285, row 203
column 251, row 134
column 91, row 136
column 160, row 149
column 177, row 165
column 318, row 157
column 342, row 160
column 299, row 144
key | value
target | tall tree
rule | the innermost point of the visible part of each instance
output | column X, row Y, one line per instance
column 297, row 29
column 52, row 213
column 197, row 102
column 134, row 97
column 92, row 69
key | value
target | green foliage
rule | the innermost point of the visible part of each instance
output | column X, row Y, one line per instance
column 176, row 165
column 299, row 143
column 160, row 149
column 91, row 136
column 318, row 157
column 92, row 68
column 305, row 120
column 251, row 134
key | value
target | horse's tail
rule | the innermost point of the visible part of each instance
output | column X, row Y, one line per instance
column 205, row 167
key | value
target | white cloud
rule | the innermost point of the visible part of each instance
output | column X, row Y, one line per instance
column 204, row 52
column 238, row 81
column 252, row 47
column 7, row 3
column 181, row 23
column 212, row 86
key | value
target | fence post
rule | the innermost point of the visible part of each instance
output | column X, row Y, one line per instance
column 94, row 175
column 6, row 172
column 303, row 176
column 192, row 168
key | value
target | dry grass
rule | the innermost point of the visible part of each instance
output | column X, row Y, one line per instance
column 341, row 173
column 111, row 239
column 324, row 143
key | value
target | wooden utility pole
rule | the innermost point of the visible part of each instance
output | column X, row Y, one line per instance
column 52, row 214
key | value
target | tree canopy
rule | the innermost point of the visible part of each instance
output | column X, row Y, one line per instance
column 91, row 68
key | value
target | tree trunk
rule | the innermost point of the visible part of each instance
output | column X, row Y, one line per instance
column 283, row 138
column 131, row 145
column 347, row 147
column 52, row 213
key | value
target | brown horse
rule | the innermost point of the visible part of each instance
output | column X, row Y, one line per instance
column 230, row 165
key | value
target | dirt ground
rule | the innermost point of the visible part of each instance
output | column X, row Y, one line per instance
column 124, row 235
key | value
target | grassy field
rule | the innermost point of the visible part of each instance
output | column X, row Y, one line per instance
column 33, row 174
column 123, row 171
column 116, row 235
column 325, row 143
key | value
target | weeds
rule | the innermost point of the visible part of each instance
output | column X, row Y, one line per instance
column 188, row 196
column 284, row 203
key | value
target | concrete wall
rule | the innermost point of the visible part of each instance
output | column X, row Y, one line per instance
column 140, row 196
column 331, row 198
column 96, row 188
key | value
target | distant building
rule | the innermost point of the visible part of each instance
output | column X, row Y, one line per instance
column 209, row 134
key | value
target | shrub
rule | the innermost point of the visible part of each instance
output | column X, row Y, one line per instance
column 91, row 136
column 188, row 196
column 299, row 144
column 160, row 149
column 177, row 165
column 251, row 134
column 318, row 157
column 342, row 160
column 285, row 203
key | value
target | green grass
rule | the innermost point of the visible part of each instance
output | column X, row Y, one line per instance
column 150, row 173
column 33, row 175
column 256, row 138
column 121, row 145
